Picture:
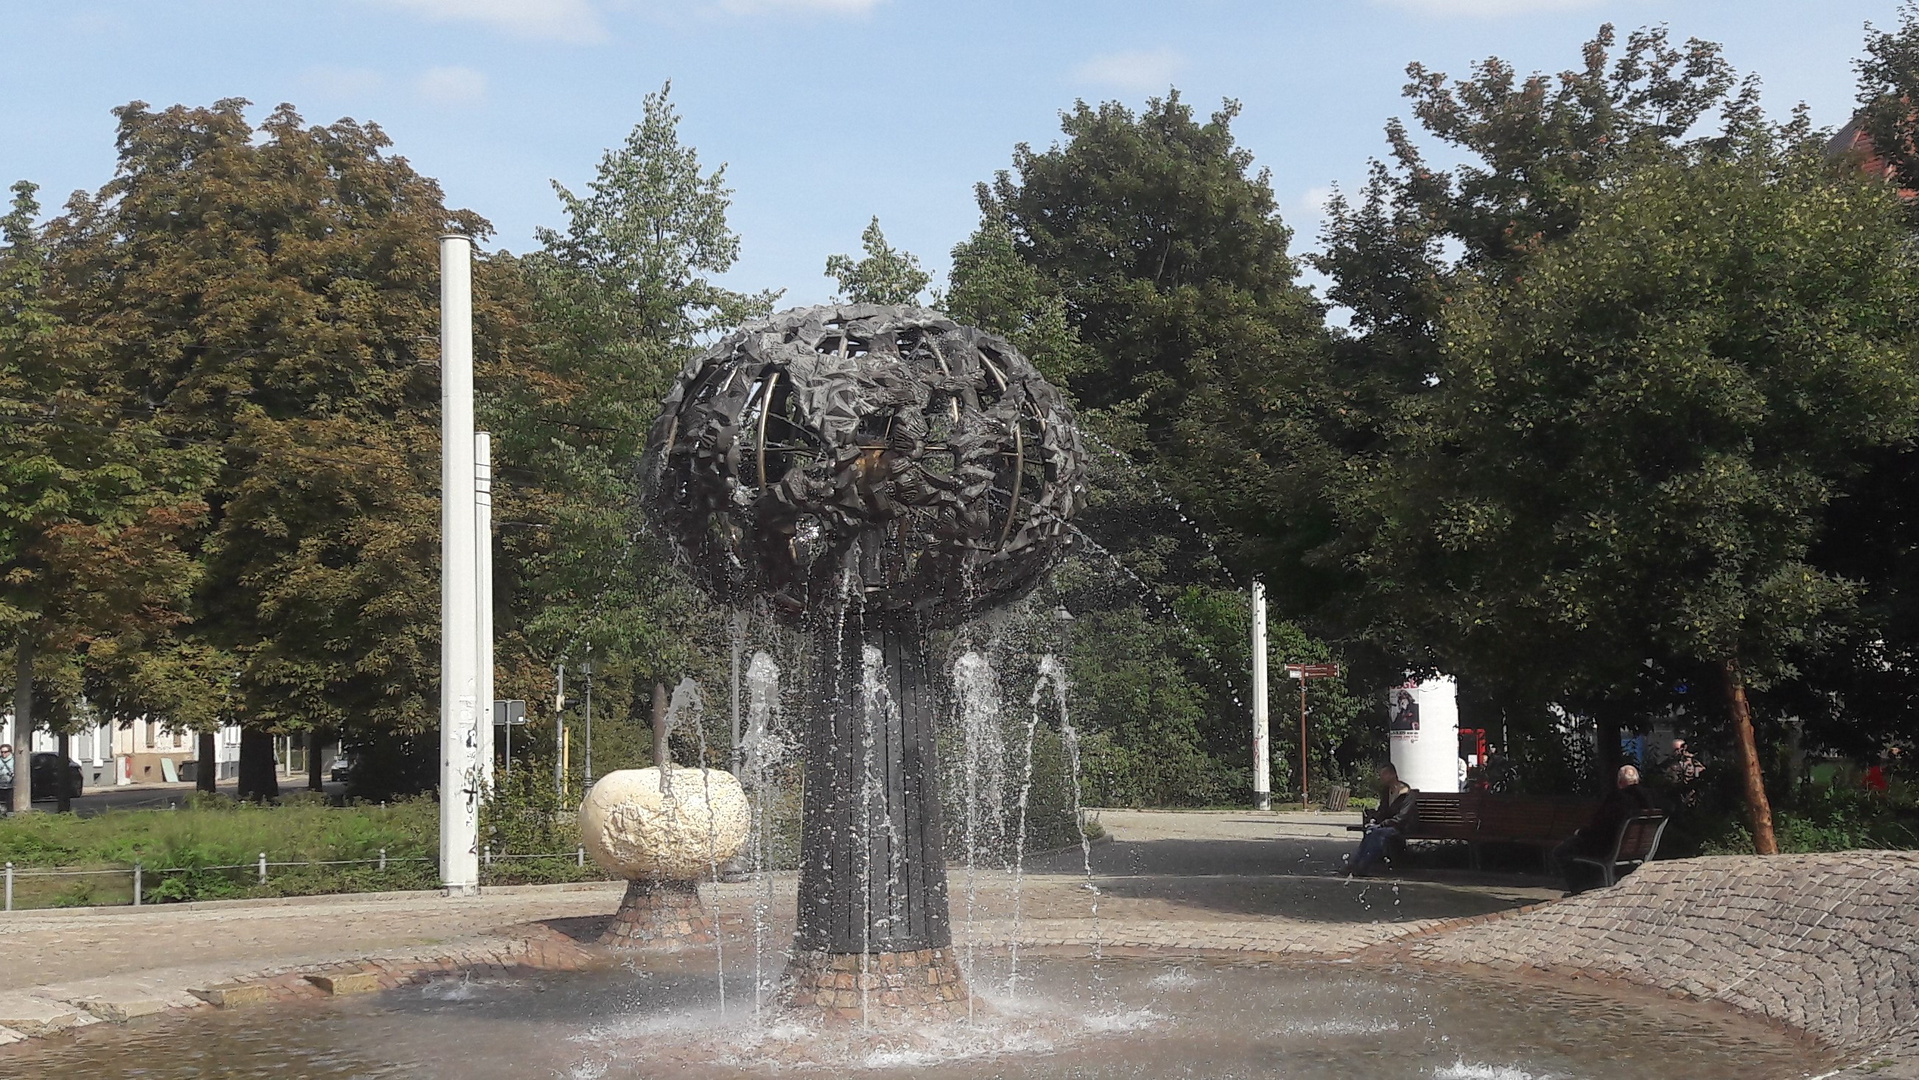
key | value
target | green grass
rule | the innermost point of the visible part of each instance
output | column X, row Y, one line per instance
column 210, row 850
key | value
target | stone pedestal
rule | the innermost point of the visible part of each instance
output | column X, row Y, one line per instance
column 660, row 914
column 880, row 988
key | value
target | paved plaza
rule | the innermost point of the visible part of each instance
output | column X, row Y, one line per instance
column 1824, row 944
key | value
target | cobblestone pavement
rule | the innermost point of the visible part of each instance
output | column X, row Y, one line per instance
column 1828, row 944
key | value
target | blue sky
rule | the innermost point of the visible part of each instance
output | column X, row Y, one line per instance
column 825, row 111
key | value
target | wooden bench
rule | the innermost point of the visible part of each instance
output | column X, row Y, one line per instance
column 1443, row 816
column 1538, row 822
column 1477, row 819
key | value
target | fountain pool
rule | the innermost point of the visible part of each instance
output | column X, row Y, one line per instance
column 1123, row 1017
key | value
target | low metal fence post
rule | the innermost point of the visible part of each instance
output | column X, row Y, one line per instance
column 136, row 884
column 263, row 868
column 382, row 860
column 579, row 857
column 9, row 886
column 486, row 855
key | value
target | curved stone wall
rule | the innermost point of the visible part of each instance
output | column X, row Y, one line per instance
column 1828, row 944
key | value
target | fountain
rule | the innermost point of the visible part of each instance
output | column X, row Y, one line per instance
column 867, row 473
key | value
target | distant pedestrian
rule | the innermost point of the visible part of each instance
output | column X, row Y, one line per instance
column 6, row 775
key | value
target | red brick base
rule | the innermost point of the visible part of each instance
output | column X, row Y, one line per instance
column 904, row 987
column 659, row 914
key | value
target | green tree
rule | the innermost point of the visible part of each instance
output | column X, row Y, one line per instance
column 884, row 276
column 580, row 340
column 991, row 287
column 92, row 503
column 1187, row 337
column 273, row 293
column 1888, row 89
column 1535, row 150
column 1628, row 447
column 1161, row 242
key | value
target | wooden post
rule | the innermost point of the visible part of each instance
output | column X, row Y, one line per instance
column 1302, row 744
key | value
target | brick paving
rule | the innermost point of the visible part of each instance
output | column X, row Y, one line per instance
column 1827, row 944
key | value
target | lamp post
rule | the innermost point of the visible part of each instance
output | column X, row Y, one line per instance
column 1262, row 760
column 1303, row 672
column 586, row 671
column 461, row 713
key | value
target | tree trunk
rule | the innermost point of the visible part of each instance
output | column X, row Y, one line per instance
column 62, row 776
column 259, row 770
column 23, row 725
column 1758, row 808
column 316, row 769
column 206, row 776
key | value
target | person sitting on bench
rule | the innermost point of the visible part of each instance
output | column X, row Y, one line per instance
column 1595, row 841
column 1385, row 824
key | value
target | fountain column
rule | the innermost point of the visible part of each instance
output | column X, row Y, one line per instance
column 873, row 924
column 874, row 932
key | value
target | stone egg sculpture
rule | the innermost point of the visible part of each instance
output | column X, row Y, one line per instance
column 638, row 825
column 663, row 830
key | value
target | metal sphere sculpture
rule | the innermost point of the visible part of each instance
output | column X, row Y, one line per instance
column 935, row 449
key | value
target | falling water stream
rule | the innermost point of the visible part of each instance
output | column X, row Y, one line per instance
column 687, row 703
column 761, row 748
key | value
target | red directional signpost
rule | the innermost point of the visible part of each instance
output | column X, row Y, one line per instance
column 1303, row 672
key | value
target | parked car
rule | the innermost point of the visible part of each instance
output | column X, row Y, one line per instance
column 46, row 766
column 342, row 768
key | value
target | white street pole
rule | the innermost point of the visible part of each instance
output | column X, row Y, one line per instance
column 483, row 577
column 459, row 606
column 1262, row 749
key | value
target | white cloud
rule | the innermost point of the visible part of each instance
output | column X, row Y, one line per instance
column 822, row 7
column 1141, row 70
column 584, row 20
column 343, row 82
column 1487, row 9
column 451, row 85
column 1315, row 199
column 559, row 20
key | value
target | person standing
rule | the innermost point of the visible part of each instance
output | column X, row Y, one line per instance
column 6, row 774
column 1386, row 824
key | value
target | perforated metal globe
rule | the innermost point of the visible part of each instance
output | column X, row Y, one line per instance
column 884, row 458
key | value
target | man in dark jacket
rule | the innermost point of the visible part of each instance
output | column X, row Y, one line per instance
column 1595, row 841
column 1384, row 824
